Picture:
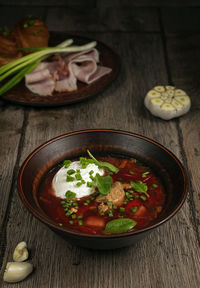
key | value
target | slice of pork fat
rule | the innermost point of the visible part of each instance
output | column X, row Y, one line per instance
column 62, row 74
column 44, row 86
column 41, row 80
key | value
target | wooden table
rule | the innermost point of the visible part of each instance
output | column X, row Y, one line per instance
column 156, row 46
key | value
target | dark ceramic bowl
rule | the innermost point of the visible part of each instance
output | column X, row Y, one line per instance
column 72, row 145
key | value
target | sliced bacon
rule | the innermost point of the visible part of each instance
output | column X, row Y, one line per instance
column 62, row 74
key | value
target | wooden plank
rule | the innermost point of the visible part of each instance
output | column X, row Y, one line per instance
column 100, row 3
column 65, row 3
column 184, row 58
column 181, row 19
column 11, row 15
column 102, row 19
column 151, row 3
column 11, row 125
column 165, row 258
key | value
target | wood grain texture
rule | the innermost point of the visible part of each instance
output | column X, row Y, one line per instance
column 180, row 19
column 102, row 19
column 113, row 3
column 184, row 50
column 10, row 16
column 169, row 257
column 147, row 3
column 165, row 257
column 49, row 2
column 11, row 124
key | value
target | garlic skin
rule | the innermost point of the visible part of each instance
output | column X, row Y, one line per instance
column 21, row 252
column 17, row 271
column 167, row 102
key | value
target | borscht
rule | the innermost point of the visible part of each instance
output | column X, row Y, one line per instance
column 103, row 196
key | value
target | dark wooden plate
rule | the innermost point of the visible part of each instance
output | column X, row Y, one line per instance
column 21, row 95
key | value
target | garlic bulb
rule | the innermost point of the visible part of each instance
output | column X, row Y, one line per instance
column 17, row 271
column 21, row 252
column 167, row 102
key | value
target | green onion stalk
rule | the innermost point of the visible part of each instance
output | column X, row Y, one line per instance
column 26, row 64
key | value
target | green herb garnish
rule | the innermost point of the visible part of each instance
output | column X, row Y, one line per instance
column 104, row 165
column 89, row 184
column 143, row 198
column 140, row 187
column 6, row 31
column 155, row 185
column 134, row 209
column 69, row 194
column 70, row 178
column 109, row 203
column 131, row 172
column 78, row 184
column 78, row 176
column 71, row 171
column 67, row 163
column 110, row 213
column 120, row 225
column 104, row 184
column 145, row 174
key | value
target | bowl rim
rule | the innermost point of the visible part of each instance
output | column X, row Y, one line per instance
column 51, row 224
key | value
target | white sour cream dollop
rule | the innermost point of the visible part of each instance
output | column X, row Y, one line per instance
column 61, row 186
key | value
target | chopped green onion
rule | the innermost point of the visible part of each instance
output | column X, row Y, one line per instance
column 71, row 171
column 145, row 174
column 70, row 178
column 110, row 213
column 89, row 184
column 109, row 203
column 78, row 176
column 155, row 185
column 143, row 198
column 134, row 209
column 69, row 194
column 67, row 163
column 80, row 222
column 78, row 184
column 27, row 63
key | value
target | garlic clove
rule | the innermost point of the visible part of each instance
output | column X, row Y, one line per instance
column 17, row 271
column 167, row 102
column 21, row 252
column 159, row 88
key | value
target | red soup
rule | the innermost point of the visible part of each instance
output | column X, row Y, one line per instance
column 130, row 198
